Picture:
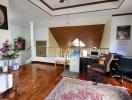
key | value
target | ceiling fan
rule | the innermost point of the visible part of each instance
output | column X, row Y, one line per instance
column 62, row 1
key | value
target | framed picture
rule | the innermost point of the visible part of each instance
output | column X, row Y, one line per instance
column 3, row 17
column 21, row 41
column 123, row 32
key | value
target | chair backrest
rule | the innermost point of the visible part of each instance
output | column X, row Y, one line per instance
column 125, row 63
column 107, row 61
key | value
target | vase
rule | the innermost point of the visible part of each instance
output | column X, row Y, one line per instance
column 5, row 66
column 8, row 63
column 15, row 66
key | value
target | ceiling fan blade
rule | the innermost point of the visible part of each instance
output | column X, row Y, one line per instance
column 61, row 1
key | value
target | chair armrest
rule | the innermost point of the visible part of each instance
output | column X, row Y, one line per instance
column 116, row 67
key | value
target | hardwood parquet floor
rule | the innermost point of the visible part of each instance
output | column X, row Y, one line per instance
column 36, row 81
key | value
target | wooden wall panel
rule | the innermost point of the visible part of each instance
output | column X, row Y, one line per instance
column 91, row 35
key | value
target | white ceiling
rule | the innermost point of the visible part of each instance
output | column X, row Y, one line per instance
column 57, row 4
column 23, row 10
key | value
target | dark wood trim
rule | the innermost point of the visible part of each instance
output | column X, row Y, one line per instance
column 39, row 62
column 77, row 12
column 46, row 4
column 39, row 7
column 94, row 10
column 78, row 5
column 123, row 14
column 45, row 63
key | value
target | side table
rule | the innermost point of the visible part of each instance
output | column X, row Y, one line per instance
column 64, row 62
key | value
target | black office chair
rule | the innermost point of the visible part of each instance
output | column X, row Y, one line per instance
column 123, row 69
column 103, row 68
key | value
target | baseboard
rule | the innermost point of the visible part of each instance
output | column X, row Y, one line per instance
column 47, row 63
column 39, row 62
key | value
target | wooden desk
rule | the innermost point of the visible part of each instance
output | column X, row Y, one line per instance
column 84, row 61
column 90, row 57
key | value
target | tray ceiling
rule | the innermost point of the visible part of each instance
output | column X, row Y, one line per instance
column 54, row 7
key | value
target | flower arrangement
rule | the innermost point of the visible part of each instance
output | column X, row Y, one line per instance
column 10, row 52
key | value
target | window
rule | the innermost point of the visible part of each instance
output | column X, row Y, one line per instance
column 77, row 43
column 41, row 48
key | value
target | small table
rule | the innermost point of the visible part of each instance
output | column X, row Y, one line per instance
column 64, row 62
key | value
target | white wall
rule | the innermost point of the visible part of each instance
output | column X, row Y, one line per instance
column 5, row 34
column 18, row 30
column 73, row 21
column 41, row 29
column 51, row 40
column 120, row 46
column 41, row 33
column 106, row 35
column 14, row 30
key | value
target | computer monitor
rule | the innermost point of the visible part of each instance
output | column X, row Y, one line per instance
column 94, row 53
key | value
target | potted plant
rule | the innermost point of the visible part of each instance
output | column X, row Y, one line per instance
column 9, row 53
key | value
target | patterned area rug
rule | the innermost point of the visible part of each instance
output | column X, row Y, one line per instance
column 67, row 73
column 75, row 89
